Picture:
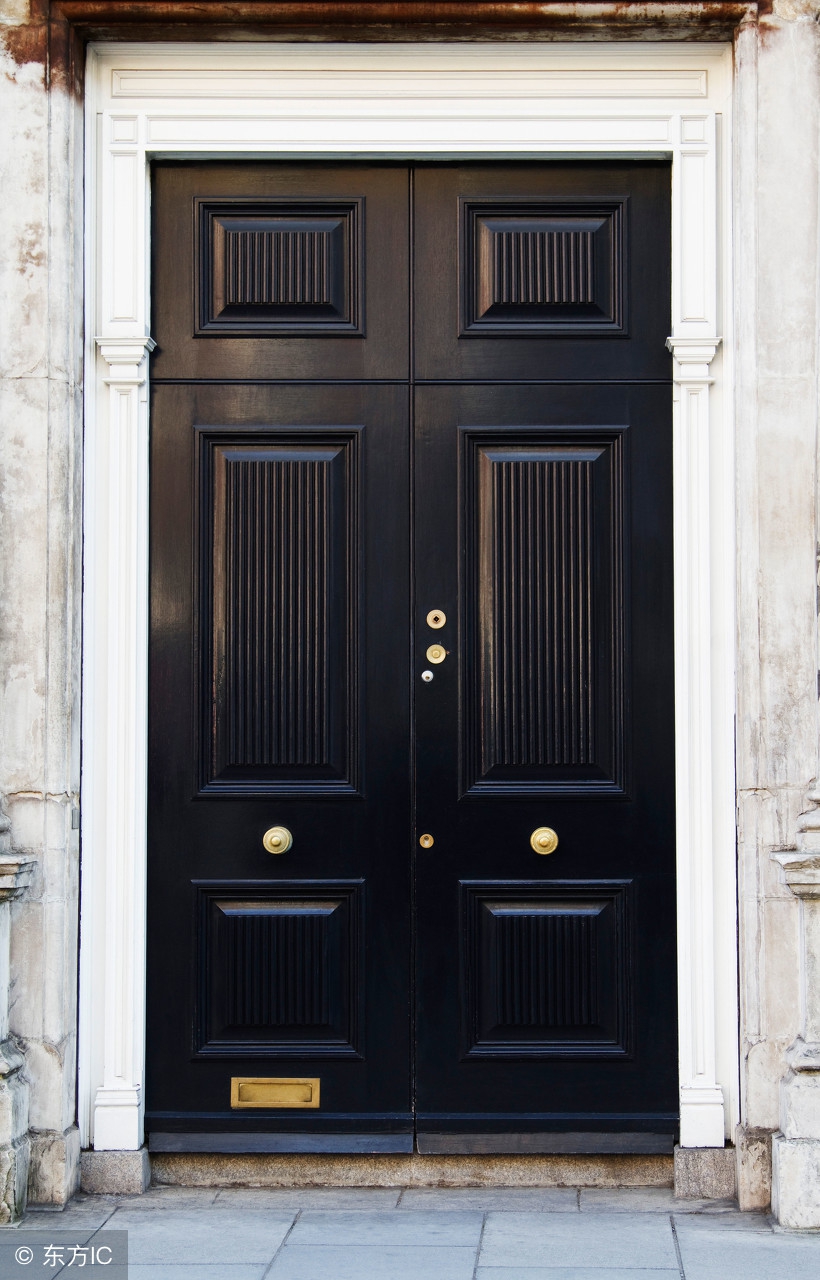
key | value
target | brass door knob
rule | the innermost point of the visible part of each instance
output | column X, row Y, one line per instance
column 544, row 840
column 277, row 840
column 436, row 653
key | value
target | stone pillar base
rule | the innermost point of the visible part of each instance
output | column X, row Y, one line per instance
column 14, row 1163
column 754, row 1167
column 705, row 1173
column 796, row 1182
column 124, row 1173
column 54, row 1174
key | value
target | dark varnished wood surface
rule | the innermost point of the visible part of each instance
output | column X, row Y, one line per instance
column 530, row 460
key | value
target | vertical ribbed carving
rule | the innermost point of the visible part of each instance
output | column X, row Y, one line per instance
column 535, row 611
column 277, row 268
column 546, row 969
column 538, row 267
column 278, row 612
column 276, row 972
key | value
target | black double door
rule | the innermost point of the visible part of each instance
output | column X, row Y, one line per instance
column 411, row 622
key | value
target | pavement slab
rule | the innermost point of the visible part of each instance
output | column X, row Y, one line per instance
column 647, row 1200
column 529, row 1199
column 350, row 1198
column 393, row 1227
column 385, row 1262
column 572, row 1240
column 194, row 1237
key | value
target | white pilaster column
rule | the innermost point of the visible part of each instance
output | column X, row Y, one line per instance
column 115, row 731
column 701, row 1098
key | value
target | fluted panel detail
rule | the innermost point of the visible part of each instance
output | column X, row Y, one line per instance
column 531, row 268
column 277, row 268
column 277, row 653
column 277, row 969
column 536, row 613
column 546, row 970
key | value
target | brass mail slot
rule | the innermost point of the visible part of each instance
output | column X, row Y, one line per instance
column 249, row 1091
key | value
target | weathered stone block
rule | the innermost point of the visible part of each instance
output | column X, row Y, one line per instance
column 14, row 1167
column 126, row 1173
column 705, row 1173
column 54, row 1174
column 796, row 1182
column 800, row 1105
column 753, row 1149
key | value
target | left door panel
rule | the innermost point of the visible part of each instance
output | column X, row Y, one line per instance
column 279, row 676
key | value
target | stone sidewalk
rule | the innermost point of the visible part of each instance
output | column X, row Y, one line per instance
column 431, row 1234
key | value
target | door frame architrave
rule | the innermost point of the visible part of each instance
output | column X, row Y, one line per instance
column 402, row 101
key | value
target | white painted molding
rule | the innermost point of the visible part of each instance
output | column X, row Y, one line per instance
column 115, row 740
column 701, row 1098
column 447, row 100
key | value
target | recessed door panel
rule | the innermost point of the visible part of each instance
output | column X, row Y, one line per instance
column 544, row 659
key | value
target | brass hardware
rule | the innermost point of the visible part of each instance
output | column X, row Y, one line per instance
column 277, row 840
column 436, row 653
column 251, row 1091
column 436, row 618
column 427, row 676
column 544, row 840
column 426, row 841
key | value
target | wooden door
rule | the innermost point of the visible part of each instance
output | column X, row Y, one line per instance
column 411, row 577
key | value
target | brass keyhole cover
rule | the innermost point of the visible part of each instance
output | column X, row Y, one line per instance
column 436, row 619
column 436, row 653
column 426, row 841
column 544, row 840
column 277, row 840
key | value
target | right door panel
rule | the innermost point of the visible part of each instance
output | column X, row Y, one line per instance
column 546, row 986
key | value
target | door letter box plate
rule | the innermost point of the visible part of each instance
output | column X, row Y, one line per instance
column 262, row 1092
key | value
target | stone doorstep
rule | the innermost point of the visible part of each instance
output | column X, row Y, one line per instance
column 694, row 1173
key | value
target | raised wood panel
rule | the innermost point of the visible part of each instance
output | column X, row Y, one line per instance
column 279, row 968
column 542, row 267
column 544, row 667
column 287, row 268
column 546, row 968
column 278, row 593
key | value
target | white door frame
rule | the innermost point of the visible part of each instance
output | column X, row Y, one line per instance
column 402, row 100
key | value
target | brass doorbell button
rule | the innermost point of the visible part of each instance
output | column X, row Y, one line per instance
column 436, row 653
column 544, row 840
column 436, row 618
column 426, row 841
column 277, row 840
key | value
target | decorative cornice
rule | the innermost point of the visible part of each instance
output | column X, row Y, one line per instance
column 16, row 871
column 125, row 358
column 693, row 357
column 803, row 1055
column 800, row 870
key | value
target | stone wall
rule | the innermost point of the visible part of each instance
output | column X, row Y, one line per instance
column 776, row 229
column 40, row 548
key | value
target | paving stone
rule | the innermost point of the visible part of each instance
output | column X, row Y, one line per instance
column 173, row 1198
column 307, row 1198
column 161, row 1271
column 647, row 1200
column 576, row 1273
column 534, row 1199
column 569, row 1240
column 194, row 1237
column 387, row 1262
column 395, row 1228
column 714, row 1251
